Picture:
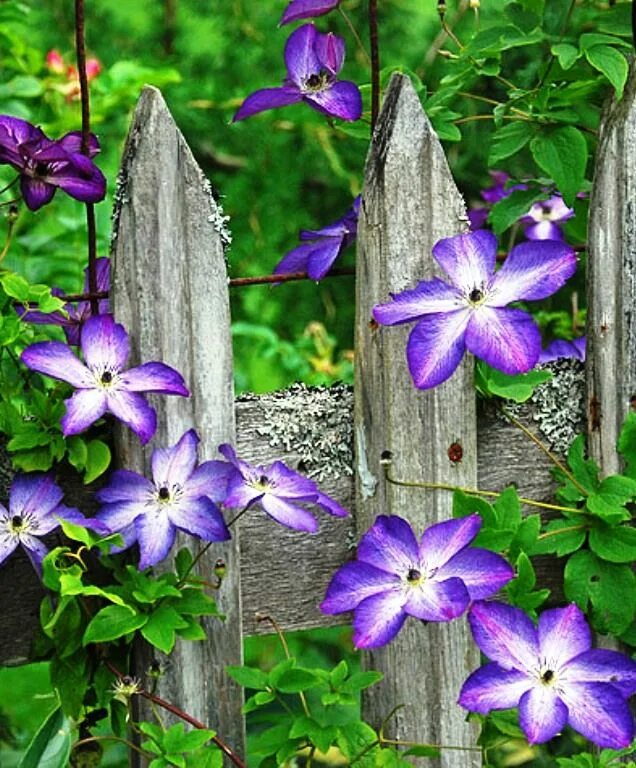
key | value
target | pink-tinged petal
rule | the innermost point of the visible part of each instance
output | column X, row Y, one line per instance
column 305, row 9
column 442, row 541
column 8, row 545
column 484, row 573
column 492, row 687
column 125, row 485
column 330, row 505
column 120, row 515
column 436, row 346
column 174, row 465
column 342, row 100
column 543, row 230
column 330, row 50
column 82, row 410
column 507, row 339
column 34, row 494
column 602, row 666
column 288, row 514
column 36, row 192
column 428, row 298
column 532, row 271
column 57, row 361
column 505, row 634
column 542, row 714
column 35, row 550
column 600, row 713
column 134, row 411
column 199, row 517
column 300, row 57
column 267, row 98
column 83, row 187
column 210, row 479
column 378, row 619
column 105, row 343
column 469, row 260
column 155, row 535
column 72, row 143
column 437, row 600
column 563, row 634
column 354, row 582
column 389, row 545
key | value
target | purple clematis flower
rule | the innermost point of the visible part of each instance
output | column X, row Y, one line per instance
column 151, row 513
column 102, row 383
column 559, row 348
column 73, row 317
column 277, row 489
column 471, row 312
column 35, row 510
column 493, row 194
column 394, row 576
column 544, row 218
column 551, row 673
column 323, row 246
column 45, row 165
column 313, row 62
column 307, row 9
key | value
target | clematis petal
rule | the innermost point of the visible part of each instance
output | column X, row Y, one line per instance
column 389, row 545
column 493, row 687
column 155, row 536
column 72, row 143
column 296, row 260
column 330, row 50
column 240, row 495
column 35, row 550
column 125, row 485
column 120, row 515
column 437, row 600
column 199, row 517
column 267, row 98
column 288, row 514
column 210, row 479
column 484, row 573
column 342, row 100
column 330, row 505
column 79, row 185
column 600, row 713
column 228, row 452
column 436, row 346
column 174, row 465
column 105, row 343
column 504, row 634
column 305, row 9
column 469, row 260
column 34, row 494
column 443, row 540
column 563, row 634
column 322, row 256
column 602, row 666
column 57, row 361
column 134, row 411
column 542, row 714
column 378, row 619
column 544, row 230
column 36, row 192
column 427, row 298
column 301, row 59
column 354, row 582
column 507, row 339
column 8, row 545
column 83, row 408
column 289, row 484
column 155, row 377
column 532, row 271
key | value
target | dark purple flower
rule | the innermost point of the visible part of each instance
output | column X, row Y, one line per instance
column 178, row 498
column 394, row 576
column 277, row 489
column 44, row 165
column 35, row 510
column 313, row 61
column 74, row 316
column 493, row 194
column 544, row 218
column 471, row 312
column 102, row 383
column 551, row 673
column 559, row 348
column 323, row 246
column 307, row 9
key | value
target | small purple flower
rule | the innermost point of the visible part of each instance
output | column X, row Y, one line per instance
column 551, row 673
column 45, row 165
column 313, row 61
column 102, row 383
column 493, row 194
column 73, row 317
column 277, row 489
column 471, row 312
column 35, row 510
column 544, row 218
column 307, row 9
column 560, row 348
column 317, row 256
column 178, row 498
column 395, row 577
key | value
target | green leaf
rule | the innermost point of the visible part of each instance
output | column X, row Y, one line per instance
column 610, row 63
column 248, row 677
column 159, row 629
column 176, row 739
column 493, row 383
column 617, row 544
column 627, row 444
column 296, row 680
column 77, row 451
column 112, row 622
column 566, row 54
column 268, row 742
column 361, row 680
column 51, row 745
column 509, row 139
column 422, row 750
column 584, row 470
column 562, row 154
column 562, row 537
column 507, row 211
column 69, row 677
column 97, row 461
column 183, row 562
column 353, row 739
column 194, row 602
column 338, row 674
column 593, row 39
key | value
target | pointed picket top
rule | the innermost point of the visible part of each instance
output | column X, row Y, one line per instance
column 611, row 281
column 170, row 291
column 409, row 202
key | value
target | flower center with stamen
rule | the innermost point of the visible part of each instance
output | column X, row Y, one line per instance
column 107, row 377
column 316, row 82
column 164, row 493
column 17, row 524
column 413, row 575
column 475, row 296
column 548, row 677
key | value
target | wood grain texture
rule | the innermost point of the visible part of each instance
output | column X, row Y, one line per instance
column 409, row 202
column 170, row 291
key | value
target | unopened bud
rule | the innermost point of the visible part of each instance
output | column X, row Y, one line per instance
column 220, row 568
column 386, row 458
column 474, row 4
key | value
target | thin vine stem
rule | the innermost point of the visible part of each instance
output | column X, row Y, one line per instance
column 129, row 744
column 355, row 34
column 375, row 62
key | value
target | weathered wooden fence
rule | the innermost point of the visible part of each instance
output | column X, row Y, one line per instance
column 171, row 291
